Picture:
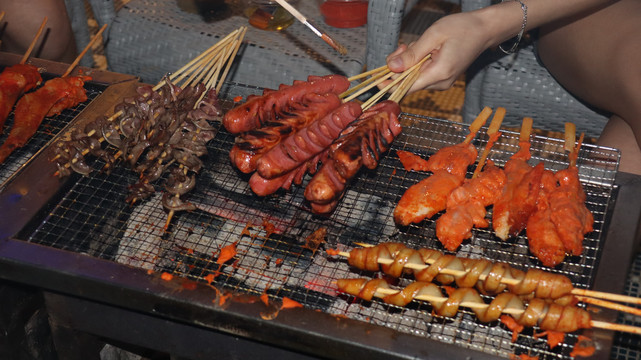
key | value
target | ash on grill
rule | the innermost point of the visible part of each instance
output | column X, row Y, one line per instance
column 157, row 132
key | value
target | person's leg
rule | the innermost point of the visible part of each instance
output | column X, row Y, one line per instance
column 596, row 57
column 618, row 134
column 22, row 20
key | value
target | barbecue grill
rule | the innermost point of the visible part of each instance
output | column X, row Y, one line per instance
column 79, row 239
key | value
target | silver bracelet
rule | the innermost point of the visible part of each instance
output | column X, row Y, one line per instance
column 520, row 35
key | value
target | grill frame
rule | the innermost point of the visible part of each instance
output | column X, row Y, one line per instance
column 135, row 289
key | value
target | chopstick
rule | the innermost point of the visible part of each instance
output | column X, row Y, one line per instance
column 300, row 17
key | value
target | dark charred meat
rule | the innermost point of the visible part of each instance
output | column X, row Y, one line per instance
column 280, row 124
column 157, row 132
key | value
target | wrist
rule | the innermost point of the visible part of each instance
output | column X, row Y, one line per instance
column 503, row 21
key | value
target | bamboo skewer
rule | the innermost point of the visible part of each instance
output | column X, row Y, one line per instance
column 84, row 51
column 205, row 68
column 383, row 68
column 507, row 281
column 365, row 85
column 33, row 42
column 383, row 292
column 197, row 66
column 476, row 125
column 395, row 82
column 238, row 41
column 495, row 125
column 400, row 78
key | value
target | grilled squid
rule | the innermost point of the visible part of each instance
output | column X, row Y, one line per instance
column 488, row 277
column 538, row 312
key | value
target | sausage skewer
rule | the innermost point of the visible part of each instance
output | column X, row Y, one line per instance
column 489, row 277
column 538, row 312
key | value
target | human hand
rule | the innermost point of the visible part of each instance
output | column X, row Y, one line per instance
column 453, row 41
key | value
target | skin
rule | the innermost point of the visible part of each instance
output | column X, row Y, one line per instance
column 592, row 63
column 21, row 23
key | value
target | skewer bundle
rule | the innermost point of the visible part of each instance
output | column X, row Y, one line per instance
column 284, row 134
column 163, row 130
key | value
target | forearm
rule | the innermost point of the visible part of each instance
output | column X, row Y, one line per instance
column 503, row 21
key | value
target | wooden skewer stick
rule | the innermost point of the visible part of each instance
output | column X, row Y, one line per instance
column 84, row 51
column 570, row 136
column 239, row 41
column 493, row 132
column 407, row 83
column 1, row 15
column 365, row 85
column 383, row 68
column 383, row 292
column 476, row 125
column 526, row 129
column 508, row 281
column 33, row 42
column 200, row 63
column 610, row 305
column 196, row 62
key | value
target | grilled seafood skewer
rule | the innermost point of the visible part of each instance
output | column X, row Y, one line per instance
column 448, row 166
column 195, row 69
column 488, row 277
column 538, row 312
column 561, row 219
column 466, row 205
column 520, row 193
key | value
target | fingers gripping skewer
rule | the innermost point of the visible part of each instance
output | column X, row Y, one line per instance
column 538, row 312
column 412, row 73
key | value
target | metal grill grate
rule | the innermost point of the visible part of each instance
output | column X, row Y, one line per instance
column 49, row 128
column 270, row 233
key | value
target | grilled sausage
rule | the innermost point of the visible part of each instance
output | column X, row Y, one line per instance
column 360, row 144
column 251, row 114
column 250, row 146
column 307, row 142
column 263, row 187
